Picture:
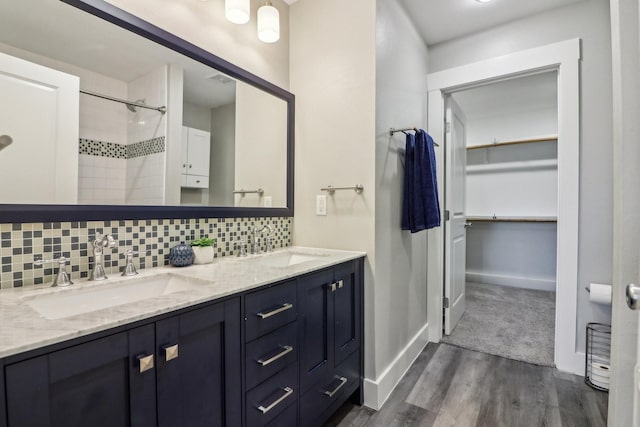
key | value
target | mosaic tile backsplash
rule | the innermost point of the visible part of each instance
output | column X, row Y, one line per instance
column 22, row 244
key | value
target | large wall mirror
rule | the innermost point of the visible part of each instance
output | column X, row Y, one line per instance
column 105, row 116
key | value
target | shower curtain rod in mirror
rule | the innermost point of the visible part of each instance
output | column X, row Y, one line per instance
column 130, row 105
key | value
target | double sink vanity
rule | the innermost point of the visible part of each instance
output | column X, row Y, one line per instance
column 272, row 339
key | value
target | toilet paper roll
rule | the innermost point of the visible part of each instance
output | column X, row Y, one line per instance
column 600, row 293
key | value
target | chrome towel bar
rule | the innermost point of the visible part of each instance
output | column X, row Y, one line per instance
column 331, row 189
column 404, row 130
column 242, row 191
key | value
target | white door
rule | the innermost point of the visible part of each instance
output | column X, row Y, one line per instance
column 624, row 392
column 455, row 231
column 39, row 114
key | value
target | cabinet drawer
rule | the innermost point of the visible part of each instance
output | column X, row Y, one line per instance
column 195, row 181
column 288, row 418
column 269, row 309
column 338, row 387
column 271, row 353
column 270, row 398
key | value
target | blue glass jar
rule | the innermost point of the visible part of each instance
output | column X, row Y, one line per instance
column 181, row 255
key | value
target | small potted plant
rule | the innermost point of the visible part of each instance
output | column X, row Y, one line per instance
column 203, row 250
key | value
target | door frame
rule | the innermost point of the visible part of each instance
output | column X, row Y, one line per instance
column 564, row 57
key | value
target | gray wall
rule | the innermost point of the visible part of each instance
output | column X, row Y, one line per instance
column 588, row 20
column 223, row 155
column 401, row 273
column 195, row 116
column 519, row 255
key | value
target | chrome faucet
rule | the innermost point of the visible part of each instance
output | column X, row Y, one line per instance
column 242, row 247
column 98, row 244
column 62, row 278
column 255, row 233
column 130, row 268
column 268, row 247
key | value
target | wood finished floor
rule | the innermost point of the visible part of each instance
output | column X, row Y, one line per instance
column 452, row 386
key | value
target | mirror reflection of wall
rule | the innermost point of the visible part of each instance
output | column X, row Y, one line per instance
column 125, row 153
column 211, row 111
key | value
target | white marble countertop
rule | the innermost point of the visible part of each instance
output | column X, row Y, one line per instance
column 22, row 328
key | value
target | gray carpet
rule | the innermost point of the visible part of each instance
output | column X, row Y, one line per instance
column 509, row 322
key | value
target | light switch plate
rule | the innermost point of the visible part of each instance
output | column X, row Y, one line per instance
column 268, row 201
column 321, row 205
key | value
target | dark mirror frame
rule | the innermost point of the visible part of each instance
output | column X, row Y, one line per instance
column 16, row 213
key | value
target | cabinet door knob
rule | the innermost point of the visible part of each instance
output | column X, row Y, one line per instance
column 190, row 166
column 145, row 362
column 287, row 393
column 340, row 284
column 170, row 352
column 332, row 287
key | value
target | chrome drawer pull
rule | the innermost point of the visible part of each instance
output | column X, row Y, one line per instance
column 285, row 350
column 343, row 381
column 286, row 306
column 287, row 392
column 146, row 362
column 170, row 352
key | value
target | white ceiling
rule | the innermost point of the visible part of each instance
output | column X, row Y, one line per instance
column 538, row 91
column 442, row 20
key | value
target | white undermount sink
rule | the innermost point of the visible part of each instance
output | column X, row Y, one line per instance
column 74, row 301
column 287, row 259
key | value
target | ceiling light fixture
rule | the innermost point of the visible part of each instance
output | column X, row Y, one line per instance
column 268, row 23
column 483, row 1
column 237, row 11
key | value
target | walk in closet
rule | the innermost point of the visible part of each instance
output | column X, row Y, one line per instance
column 511, row 209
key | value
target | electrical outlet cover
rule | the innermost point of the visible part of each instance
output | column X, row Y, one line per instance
column 321, row 204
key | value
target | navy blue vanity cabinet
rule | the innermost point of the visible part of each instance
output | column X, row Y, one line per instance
column 330, row 335
column 98, row 383
column 199, row 371
column 271, row 355
column 3, row 408
column 178, row 371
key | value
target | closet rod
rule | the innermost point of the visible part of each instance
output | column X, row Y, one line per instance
column 162, row 109
column 404, row 130
column 519, row 141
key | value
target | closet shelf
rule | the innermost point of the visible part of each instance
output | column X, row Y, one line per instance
column 519, row 141
column 513, row 166
column 513, row 218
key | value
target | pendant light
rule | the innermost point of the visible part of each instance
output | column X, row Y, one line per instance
column 237, row 11
column 268, row 23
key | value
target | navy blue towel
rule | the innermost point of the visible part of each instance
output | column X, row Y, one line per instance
column 420, row 207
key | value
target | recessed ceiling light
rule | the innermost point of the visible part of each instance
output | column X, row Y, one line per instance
column 483, row 1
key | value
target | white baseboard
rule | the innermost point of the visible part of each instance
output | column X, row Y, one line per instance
column 511, row 281
column 578, row 364
column 377, row 391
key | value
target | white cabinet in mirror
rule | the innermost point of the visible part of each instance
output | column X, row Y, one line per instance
column 69, row 147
